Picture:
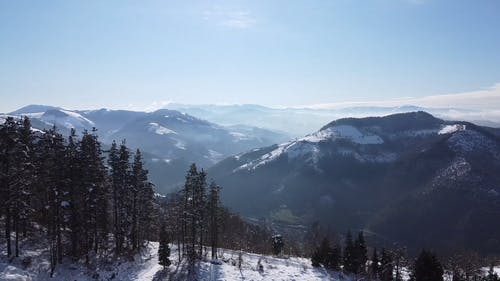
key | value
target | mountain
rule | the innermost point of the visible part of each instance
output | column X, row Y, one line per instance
column 300, row 121
column 406, row 177
column 170, row 140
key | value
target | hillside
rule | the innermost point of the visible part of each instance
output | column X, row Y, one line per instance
column 406, row 177
column 145, row 267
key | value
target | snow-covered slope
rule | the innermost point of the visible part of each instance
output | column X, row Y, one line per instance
column 145, row 267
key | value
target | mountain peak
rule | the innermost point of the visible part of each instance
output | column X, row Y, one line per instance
column 34, row 108
column 394, row 122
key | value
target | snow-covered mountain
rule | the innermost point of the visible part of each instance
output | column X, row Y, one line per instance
column 301, row 121
column 171, row 140
column 429, row 177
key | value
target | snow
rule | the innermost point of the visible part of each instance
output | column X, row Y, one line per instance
column 160, row 130
column 308, row 148
column 180, row 144
column 214, row 156
column 470, row 140
column 71, row 120
column 145, row 267
column 448, row 129
column 343, row 132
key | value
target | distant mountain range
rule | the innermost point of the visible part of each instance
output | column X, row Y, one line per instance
column 301, row 121
column 407, row 177
column 171, row 140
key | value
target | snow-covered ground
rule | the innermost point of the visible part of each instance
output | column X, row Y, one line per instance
column 145, row 267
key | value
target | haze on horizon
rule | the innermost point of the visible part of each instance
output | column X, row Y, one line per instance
column 322, row 54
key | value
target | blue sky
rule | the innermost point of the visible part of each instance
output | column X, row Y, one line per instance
column 138, row 54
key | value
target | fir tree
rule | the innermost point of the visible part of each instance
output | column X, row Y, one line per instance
column 278, row 244
column 375, row 267
column 164, row 248
column 360, row 253
column 214, row 221
column 492, row 275
column 349, row 254
column 427, row 267
column 386, row 267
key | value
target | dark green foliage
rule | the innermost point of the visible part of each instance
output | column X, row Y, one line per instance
column 278, row 244
column 63, row 188
column 330, row 257
column 164, row 248
column 492, row 275
column 386, row 266
column 349, row 254
column 375, row 266
column 360, row 252
column 427, row 267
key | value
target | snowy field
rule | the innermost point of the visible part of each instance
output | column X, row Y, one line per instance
column 146, row 267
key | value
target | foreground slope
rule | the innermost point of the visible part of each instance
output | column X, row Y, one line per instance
column 145, row 267
column 405, row 177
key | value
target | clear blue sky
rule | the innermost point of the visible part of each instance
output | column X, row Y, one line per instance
column 118, row 54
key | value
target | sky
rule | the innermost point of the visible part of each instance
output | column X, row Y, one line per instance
column 143, row 54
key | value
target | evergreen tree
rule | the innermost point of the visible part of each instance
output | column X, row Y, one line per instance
column 336, row 257
column 143, row 209
column 94, row 192
column 164, row 248
column 74, row 194
column 278, row 244
column 360, row 253
column 189, row 213
column 53, row 182
column 428, row 268
column 386, row 267
column 9, row 138
column 492, row 275
column 316, row 258
column 214, row 221
column 375, row 267
column 349, row 254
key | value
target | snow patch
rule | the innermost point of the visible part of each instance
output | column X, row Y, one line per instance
column 343, row 132
column 160, row 130
column 448, row 129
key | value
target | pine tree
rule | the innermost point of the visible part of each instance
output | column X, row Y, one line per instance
column 349, row 254
column 492, row 275
column 360, row 252
column 214, row 221
column 9, row 138
column 189, row 213
column 428, row 268
column 164, row 248
column 336, row 258
column 386, row 267
column 142, row 202
column 278, row 244
column 94, row 190
column 52, row 181
column 375, row 267
column 74, row 195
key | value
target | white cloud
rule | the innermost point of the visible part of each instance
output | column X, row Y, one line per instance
column 486, row 99
column 238, row 19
